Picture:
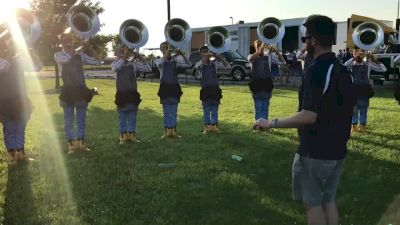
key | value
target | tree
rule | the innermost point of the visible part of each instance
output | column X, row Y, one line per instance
column 97, row 46
column 52, row 16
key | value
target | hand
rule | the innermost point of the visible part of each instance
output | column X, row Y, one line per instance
column 263, row 123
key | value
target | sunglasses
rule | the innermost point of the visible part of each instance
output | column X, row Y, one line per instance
column 303, row 39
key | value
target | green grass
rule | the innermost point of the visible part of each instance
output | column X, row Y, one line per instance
column 115, row 185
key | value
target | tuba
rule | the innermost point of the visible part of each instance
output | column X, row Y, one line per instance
column 368, row 35
column 83, row 21
column 28, row 24
column 218, row 40
column 177, row 32
column 270, row 30
column 133, row 33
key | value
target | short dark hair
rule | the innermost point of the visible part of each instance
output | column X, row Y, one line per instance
column 164, row 43
column 203, row 47
column 322, row 28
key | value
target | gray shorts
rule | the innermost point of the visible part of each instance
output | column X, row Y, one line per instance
column 315, row 181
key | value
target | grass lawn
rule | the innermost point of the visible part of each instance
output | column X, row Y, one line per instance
column 121, row 185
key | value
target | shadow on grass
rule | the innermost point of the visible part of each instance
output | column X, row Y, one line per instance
column 384, row 141
column 384, row 109
column 20, row 205
column 123, row 185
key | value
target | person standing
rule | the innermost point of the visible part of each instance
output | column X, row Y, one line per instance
column 75, row 95
column 15, row 105
column 324, row 124
column 170, row 90
column 210, row 93
column 261, row 83
column 127, row 97
column 360, row 68
column 347, row 55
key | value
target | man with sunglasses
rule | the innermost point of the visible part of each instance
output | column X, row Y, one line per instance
column 324, row 124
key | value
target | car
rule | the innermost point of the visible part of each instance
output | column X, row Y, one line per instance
column 240, row 66
column 392, row 73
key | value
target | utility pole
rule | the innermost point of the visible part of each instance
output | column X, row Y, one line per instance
column 169, row 10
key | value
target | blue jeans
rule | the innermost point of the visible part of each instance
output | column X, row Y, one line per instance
column 210, row 114
column 69, row 114
column 362, row 110
column 170, row 114
column 127, row 121
column 360, row 115
column 14, row 134
column 261, row 107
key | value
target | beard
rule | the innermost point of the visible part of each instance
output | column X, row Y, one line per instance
column 310, row 51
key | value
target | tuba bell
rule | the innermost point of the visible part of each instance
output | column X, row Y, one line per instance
column 133, row 33
column 177, row 32
column 270, row 30
column 368, row 35
column 28, row 24
column 83, row 21
column 218, row 40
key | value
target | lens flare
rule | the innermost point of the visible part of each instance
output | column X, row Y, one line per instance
column 50, row 160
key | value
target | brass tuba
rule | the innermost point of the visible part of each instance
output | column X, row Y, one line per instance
column 218, row 40
column 368, row 35
column 177, row 32
column 83, row 21
column 133, row 33
column 28, row 24
column 270, row 30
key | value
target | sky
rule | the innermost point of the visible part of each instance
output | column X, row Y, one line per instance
column 202, row 13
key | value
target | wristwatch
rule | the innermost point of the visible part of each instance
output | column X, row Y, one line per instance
column 274, row 123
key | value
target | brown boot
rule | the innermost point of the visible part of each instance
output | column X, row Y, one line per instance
column 72, row 146
column 174, row 133
column 122, row 138
column 21, row 156
column 132, row 137
column 82, row 145
column 171, row 133
column 354, row 128
column 166, row 133
column 11, row 159
column 362, row 127
column 215, row 129
column 206, row 128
